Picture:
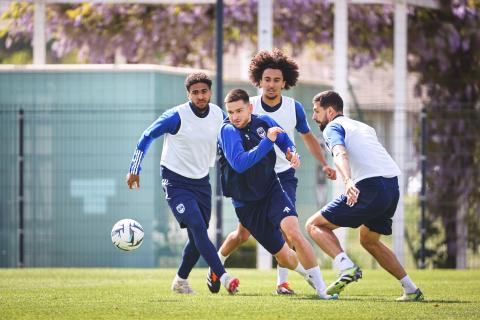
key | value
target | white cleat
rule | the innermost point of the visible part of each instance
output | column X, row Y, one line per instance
column 182, row 287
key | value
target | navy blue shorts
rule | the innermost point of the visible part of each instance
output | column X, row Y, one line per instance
column 289, row 183
column 189, row 199
column 262, row 218
column 375, row 208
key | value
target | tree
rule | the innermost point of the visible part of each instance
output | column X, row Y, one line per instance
column 443, row 50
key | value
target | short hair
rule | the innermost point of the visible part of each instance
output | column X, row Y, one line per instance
column 236, row 95
column 275, row 59
column 197, row 77
column 329, row 99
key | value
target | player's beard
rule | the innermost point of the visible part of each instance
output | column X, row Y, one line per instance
column 204, row 106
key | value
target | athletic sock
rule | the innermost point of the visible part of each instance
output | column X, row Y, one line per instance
column 178, row 278
column 316, row 276
column 282, row 275
column 301, row 270
column 222, row 257
column 408, row 285
column 224, row 278
column 342, row 262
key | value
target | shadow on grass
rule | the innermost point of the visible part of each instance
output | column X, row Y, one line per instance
column 364, row 298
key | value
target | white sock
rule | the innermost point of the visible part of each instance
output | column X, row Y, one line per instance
column 300, row 269
column 408, row 285
column 316, row 275
column 177, row 278
column 224, row 278
column 222, row 257
column 342, row 262
column 282, row 275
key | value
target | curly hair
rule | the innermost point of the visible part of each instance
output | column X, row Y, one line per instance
column 197, row 77
column 275, row 59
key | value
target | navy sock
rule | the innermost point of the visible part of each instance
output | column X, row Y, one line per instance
column 190, row 257
column 206, row 248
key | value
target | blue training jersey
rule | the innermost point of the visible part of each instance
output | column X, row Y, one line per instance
column 247, row 158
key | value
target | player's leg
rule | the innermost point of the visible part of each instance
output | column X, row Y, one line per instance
column 381, row 224
column 197, row 226
column 320, row 227
column 370, row 240
column 305, row 254
column 190, row 257
column 186, row 210
column 233, row 241
column 289, row 184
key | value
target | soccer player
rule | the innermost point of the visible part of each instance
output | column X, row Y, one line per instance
column 190, row 134
column 273, row 71
column 370, row 199
column 247, row 162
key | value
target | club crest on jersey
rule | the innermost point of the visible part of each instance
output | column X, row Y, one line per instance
column 261, row 132
column 180, row 208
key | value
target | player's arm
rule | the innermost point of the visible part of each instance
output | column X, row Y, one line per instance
column 335, row 138
column 168, row 122
column 311, row 142
column 240, row 159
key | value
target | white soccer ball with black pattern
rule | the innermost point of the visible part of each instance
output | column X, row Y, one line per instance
column 127, row 234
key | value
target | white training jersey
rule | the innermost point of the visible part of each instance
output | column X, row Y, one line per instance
column 285, row 116
column 192, row 150
column 367, row 157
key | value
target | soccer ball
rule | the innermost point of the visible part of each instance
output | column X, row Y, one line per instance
column 127, row 234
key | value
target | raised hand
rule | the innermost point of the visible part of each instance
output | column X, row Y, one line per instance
column 273, row 132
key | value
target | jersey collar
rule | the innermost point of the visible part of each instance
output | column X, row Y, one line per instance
column 197, row 111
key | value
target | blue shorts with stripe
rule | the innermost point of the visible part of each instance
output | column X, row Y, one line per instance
column 375, row 208
column 262, row 218
column 289, row 183
column 189, row 199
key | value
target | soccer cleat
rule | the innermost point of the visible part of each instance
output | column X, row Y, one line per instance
column 285, row 289
column 325, row 296
column 231, row 284
column 346, row 276
column 182, row 286
column 213, row 281
column 411, row 297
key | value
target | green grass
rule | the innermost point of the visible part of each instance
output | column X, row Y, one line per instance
column 145, row 294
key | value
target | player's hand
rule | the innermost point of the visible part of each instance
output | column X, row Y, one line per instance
column 329, row 172
column 273, row 132
column 294, row 158
column 352, row 192
column 133, row 180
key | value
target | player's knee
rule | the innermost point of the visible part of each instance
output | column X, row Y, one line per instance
column 368, row 243
column 243, row 237
column 294, row 236
column 310, row 226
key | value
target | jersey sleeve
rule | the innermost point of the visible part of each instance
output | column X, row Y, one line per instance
column 282, row 141
column 334, row 134
column 302, row 124
column 231, row 143
column 168, row 122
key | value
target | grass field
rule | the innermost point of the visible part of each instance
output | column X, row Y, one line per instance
column 145, row 294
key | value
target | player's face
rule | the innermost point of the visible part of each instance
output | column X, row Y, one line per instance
column 320, row 116
column 200, row 94
column 272, row 83
column 239, row 113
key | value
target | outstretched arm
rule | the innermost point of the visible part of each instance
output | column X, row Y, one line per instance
column 168, row 122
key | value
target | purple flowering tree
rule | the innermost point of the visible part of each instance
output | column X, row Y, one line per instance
column 443, row 48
